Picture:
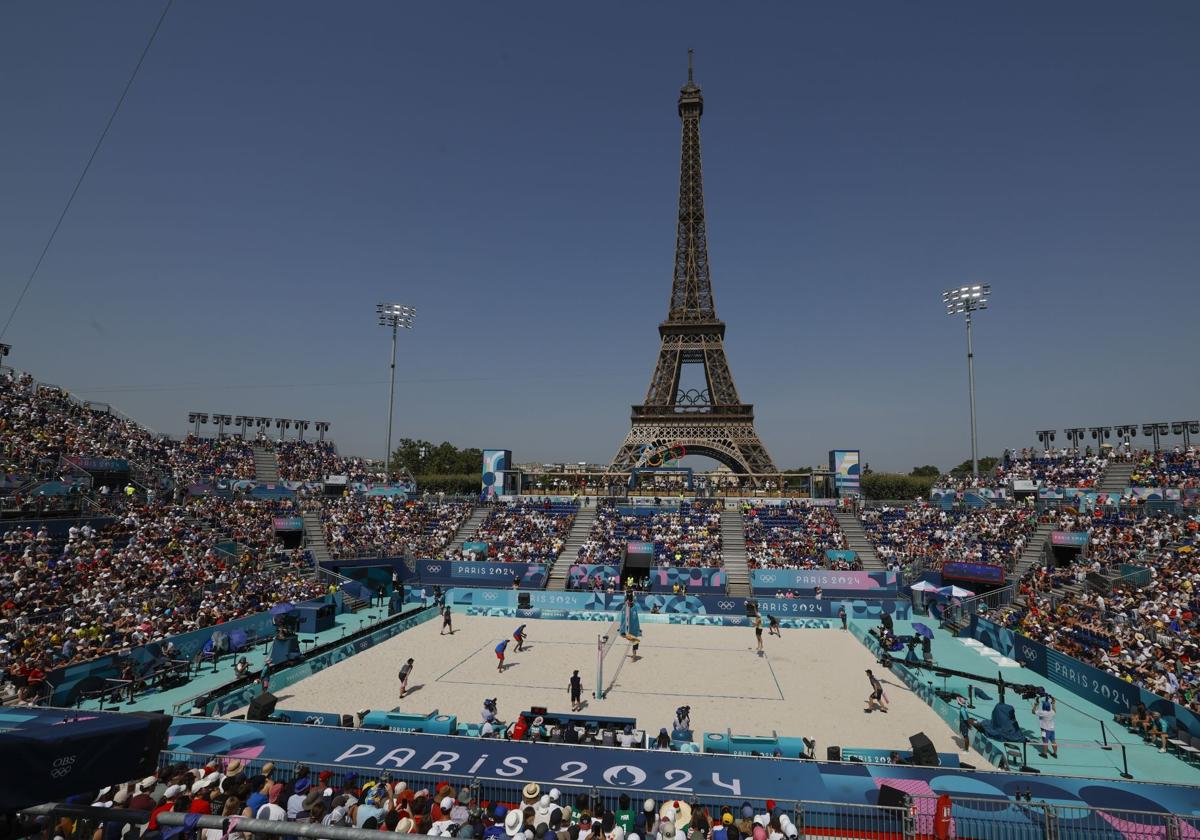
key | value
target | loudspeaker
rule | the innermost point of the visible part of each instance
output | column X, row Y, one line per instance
column 833, row 753
column 890, row 797
column 262, row 706
column 523, row 601
column 923, row 752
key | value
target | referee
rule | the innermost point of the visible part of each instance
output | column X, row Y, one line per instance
column 575, row 689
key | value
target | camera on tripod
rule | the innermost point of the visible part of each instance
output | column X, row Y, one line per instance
column 286, row 625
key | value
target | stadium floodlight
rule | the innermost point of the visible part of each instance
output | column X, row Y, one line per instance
column 1100, row 434
column 963, row 301
column 393, row 315
column 222, row 420
column 1074, row 435
column 5, row 349
column 243, row 421
column 283, row 424
column 196, row 418
column 301, row 425
column 1126, row 433
column 1187, row 428
column 322, row 427
column 1154, row 430
column 1045, row 438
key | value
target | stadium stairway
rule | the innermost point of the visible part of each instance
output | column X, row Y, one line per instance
column 266, row 466
column 1034, row 550
column 470, row 526
column 856, row 540
column 1116, row 477
column 733, row 553
column 580, row 529
column 314, row 537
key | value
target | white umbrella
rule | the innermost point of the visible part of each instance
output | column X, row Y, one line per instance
column 956, row 592
column 924, row 586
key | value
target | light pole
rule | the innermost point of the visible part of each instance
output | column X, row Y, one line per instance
column 1127, row 433
column 963, row 301
column 393, row 315
column 1154, row 430
column 197, row 417
column 283, row 424
column 1074, row 435
column 1187, row 428
column 322, row 428
column 222, row 420
column 301, row 425
column 1045, row 438
column 1100, row 434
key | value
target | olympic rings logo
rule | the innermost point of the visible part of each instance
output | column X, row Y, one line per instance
column 656, row 455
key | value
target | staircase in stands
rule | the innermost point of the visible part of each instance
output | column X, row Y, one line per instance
column 266, row 465
column 733, row 553
column 314, row 537
column 576, row 537
column 857, row 541
column 1116, row 477
column 469, row 527
column 1034, row 551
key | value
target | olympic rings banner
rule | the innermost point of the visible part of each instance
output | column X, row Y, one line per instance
column 695, row 578
column 876, row 584
column 659, row 454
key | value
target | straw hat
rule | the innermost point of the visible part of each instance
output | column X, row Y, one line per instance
column 678, row 811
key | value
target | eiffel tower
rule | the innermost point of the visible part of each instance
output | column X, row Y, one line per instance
column 711, row 420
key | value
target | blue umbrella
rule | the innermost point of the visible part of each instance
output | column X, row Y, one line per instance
column 922, row 630
column 282, row 607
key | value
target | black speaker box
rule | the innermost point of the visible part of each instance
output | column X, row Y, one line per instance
column 262, row 706
column 523, row 601
column 833, row 753
column 890, row 797
column 924, row 754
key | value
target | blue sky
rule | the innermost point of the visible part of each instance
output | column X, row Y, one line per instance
column 511, row 170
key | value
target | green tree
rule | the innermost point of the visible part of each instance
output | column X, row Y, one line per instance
column 986, row 465
column 424, row 458
column 896, row 486
column 927, row 470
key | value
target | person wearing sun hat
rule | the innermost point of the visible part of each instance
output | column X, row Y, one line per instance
column 679, row 811
column 514, row 822
column 531, row 793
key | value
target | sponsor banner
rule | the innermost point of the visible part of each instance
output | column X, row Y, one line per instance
column 835, row 555
column 583, row 575
column 981, row 572
column 288, row 523
column 1100, row 687
column 1071, row 539
column 878, row 584
column 100, row 464
column 991, row 494
column 696, row 579
column 1154, row 494
column 478, row 548
column 602, row 606
column 481, row 573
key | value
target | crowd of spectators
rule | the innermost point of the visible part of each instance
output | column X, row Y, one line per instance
column 1051, row 468
column 526, row 531
column 355, row 523
column 905, row 535
column 234, row 789
column 1176, row 468
column 791, row 536
column 689, row 535
column 1147, row 634
column 155, row 571
column 210, row 460
column 302, row 460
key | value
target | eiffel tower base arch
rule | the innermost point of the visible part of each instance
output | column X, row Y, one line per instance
column 735, row 445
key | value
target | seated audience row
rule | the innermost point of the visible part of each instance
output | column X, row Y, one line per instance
column 791, row 536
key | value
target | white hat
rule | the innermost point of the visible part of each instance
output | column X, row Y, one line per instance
column 121, row 797
column 149, row 783
column 447, row 803
column 555, row 794
column 512, row 822
column 173, row 791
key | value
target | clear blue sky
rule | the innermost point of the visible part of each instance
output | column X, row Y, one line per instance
column 511, row 170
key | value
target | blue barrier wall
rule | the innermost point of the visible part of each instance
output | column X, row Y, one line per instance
column 582, row 575
column 696, row 579
column 1100, row 687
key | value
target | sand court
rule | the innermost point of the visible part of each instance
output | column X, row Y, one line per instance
column 809, row 683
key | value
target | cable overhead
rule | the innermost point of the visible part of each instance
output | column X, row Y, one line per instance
column 86, row 167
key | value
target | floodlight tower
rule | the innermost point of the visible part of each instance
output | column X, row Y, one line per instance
column 963, row 301
column 1045, row 438
column 393, row 315
column 1155, row 430
column 1187, row 428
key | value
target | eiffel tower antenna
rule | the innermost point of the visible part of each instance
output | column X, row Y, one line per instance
column 712, row 420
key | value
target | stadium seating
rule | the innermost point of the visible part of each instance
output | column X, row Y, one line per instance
column 904, row 535
column 689, row 535
column 392, row 527
column 521, row 531
column 791, row 536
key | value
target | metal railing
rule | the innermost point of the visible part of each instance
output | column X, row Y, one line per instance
column 960, row 613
